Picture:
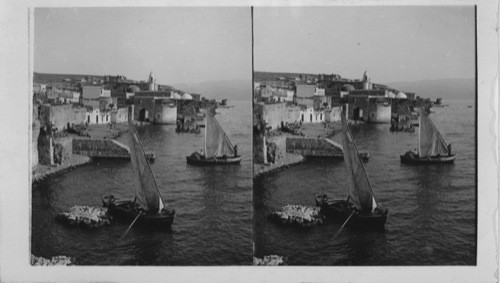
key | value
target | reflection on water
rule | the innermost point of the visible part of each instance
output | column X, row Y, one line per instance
column 432, row 212
column 213, row 207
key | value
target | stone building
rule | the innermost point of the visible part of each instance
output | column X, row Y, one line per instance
column 60, row 116
column 309, row 115
column 119, row 115
column 370, row 109
column 155, row 109
column 91, row 95
column 333, row 114
column 305, row 90
column 276, row 115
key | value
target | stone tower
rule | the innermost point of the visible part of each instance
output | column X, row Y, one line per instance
column 151, row 82
column 367, row 85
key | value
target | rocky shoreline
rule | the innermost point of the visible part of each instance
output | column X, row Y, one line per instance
column 270, row 260
column 55, row 260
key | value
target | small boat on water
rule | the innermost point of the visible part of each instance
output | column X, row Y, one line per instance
column 150, row 156
column 431, row 146
column 148, row 207
column 360, row 209
column 218, row 148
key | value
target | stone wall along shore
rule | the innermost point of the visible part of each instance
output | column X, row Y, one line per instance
column 41, row 171
column 100, row 148
column 313, row 147
column 286, row 161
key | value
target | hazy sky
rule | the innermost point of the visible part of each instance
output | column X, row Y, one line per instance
column 391, row 43
column 177, row 44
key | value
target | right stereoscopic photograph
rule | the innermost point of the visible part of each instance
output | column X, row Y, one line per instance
column 365, row 135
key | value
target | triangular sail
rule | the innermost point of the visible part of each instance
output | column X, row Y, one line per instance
column 358, row 185
column 217, row 144
column 431, row 143
column 146, row 189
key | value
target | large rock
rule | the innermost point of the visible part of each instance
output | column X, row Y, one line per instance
column 55, row 260
column 270, row 260
column 86, row 216
column 298, row 215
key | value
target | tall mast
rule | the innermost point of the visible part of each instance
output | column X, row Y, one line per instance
column 206, row 126
column 419, row 129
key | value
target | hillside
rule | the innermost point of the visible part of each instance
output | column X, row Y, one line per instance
column 230, row 89
column 444, row 88
column 267, row 76
column 56, row 78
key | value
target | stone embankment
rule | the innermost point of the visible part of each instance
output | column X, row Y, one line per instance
column 313, row 147
column 282, row 163
column 55, row 260
column 270, row 260
column 298, row 215
column 41, row 171
column 85, row 216
column 100, row 148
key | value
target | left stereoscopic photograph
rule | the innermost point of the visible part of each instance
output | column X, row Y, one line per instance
column 141, row 136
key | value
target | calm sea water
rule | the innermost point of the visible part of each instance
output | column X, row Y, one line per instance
column 213, row 222
column 432, row 209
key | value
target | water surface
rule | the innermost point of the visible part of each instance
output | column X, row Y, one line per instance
column 432, row 208
column 213, row 222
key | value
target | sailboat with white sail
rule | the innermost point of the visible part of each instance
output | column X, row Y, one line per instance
column 218, row 149
column 148, row 206
column 360, row 208
column 431, row 146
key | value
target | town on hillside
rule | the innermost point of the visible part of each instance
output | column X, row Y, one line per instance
column 79, row 107
column 295, row 103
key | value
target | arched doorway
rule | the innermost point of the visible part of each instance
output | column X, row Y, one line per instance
column 143, row 115
column 357, row 114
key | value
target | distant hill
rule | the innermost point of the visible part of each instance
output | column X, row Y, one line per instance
column 230, row 89
column 444, row 88
column 267, row 76
column 56, row 78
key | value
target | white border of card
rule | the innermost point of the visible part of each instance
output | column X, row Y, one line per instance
column 16, row 32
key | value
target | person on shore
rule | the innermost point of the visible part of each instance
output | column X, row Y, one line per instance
column 235, row 150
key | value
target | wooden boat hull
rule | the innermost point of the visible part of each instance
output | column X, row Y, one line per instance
column 340, row 210
column 202, row 161
column 128, row 211
column 409, row 158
